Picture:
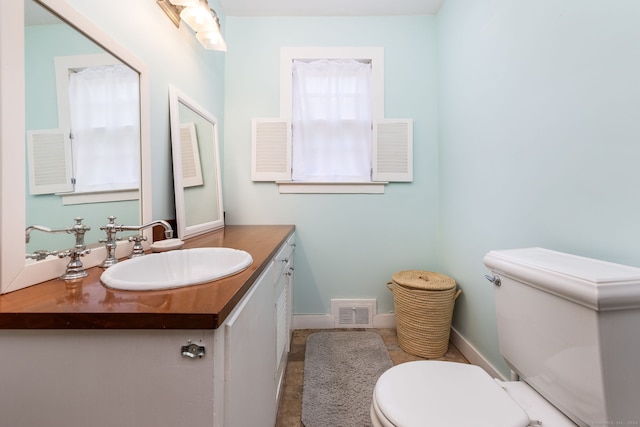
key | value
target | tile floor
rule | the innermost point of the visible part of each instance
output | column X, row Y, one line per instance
column 290, row 409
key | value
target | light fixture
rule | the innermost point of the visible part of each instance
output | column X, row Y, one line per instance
column 200, row 17
column 211, row 40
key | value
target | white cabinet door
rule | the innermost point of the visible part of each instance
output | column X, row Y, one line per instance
column 105, row 378
column 250, row 398
column 289, row 272
column 282, row 331
column 283, row 306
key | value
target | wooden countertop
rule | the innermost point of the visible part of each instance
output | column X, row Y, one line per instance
column 90, row 305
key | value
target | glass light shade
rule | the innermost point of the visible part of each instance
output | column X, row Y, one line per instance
column 199, row 18
column 186, row 3
column 212, row 40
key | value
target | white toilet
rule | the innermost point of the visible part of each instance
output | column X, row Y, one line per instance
column 569, row 328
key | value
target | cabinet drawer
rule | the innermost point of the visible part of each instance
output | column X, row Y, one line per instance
column 284, row 257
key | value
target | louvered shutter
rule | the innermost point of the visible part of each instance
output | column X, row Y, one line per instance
column 190, row 156
column 49, row 155
column 393, row 150
column 270, row 150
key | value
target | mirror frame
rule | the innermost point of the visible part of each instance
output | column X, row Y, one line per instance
column 16, row 272
column 176, row 97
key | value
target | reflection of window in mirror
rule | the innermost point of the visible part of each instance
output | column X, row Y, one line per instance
column 98, row 101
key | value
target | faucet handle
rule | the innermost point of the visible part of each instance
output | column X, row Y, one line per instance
column 79, row 229
column 110, row 224
column 79, row 226
column 138, row 249
column 107, row 240
column 73, row 253
column 40, row 254
column 74, row 269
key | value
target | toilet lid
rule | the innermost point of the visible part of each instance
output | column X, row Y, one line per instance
column 438, row 393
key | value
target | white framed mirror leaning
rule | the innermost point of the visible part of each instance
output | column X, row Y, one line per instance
column 196, row 166
column 22, row 110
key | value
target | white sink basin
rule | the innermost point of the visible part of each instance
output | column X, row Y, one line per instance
column 175, row 269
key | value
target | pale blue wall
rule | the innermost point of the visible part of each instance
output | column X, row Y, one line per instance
column 348, row 245
column 539, row 138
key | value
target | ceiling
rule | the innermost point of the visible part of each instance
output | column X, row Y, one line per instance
column 35, row 15
column 329, row 7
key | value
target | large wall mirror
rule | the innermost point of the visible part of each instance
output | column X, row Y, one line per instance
column 101, row 168
column 196, row 166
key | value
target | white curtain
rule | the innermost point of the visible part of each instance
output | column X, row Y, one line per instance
column 105, row 123
column 331, row 121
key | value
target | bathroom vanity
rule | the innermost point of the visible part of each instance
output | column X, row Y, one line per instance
column 214, row 354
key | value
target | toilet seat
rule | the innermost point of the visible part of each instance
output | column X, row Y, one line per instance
column 465, row 395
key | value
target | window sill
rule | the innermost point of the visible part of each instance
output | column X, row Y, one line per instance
column 99, row 197
column 291, row 187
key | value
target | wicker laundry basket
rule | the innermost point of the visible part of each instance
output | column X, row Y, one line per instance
column 423, row 303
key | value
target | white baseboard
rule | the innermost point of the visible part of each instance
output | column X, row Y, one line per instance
column 326, row 321
column 384, row 320
column 313, row 321
column 473, row 355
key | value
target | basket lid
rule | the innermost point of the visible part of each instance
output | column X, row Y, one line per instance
column 419, row 279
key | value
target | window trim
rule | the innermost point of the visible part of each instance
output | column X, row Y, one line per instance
column 99, row 196
column 295, row 187
column 374, row 55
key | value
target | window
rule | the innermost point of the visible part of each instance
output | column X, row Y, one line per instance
column 99, row 133
column 331, row 135
column 331, row 121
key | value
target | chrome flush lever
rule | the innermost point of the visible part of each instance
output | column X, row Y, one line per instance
column 493, row 279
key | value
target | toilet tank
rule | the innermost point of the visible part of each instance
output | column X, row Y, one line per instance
column 570, row 327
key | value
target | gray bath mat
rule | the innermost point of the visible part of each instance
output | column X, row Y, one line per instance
column 340, row 372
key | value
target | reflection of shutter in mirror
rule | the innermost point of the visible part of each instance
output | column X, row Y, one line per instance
column 49, row 154
column 191, row 167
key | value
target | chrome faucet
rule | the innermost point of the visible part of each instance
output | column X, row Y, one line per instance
column 137, row 249
column 40, row 254
column 168, row 230
column 78, row 228
column 74, row 269
column 29, row 229
column 111, row 228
